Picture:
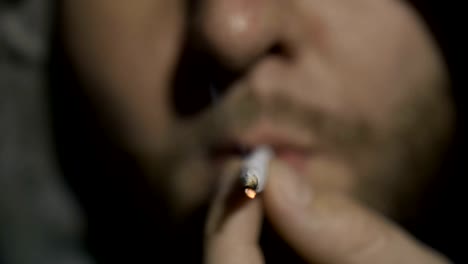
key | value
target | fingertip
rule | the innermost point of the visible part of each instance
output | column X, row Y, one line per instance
column 233, row 235
column 235, row 216
column 286, row 190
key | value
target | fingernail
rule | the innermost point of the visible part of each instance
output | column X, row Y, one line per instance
column 293, row 188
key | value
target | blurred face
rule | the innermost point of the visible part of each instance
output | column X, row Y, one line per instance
column 351, row 94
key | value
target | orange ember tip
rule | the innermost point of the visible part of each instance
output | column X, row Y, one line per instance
column 251, row 193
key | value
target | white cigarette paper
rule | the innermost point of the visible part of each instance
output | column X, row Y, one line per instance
column 254, row 170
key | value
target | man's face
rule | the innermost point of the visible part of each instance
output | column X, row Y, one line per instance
column 351, row 94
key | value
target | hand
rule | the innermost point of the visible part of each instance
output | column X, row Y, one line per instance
column 320, row 227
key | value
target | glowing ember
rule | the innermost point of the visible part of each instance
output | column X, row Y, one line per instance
column 251, row 193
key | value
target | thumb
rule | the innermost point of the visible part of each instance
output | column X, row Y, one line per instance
column 332, row 228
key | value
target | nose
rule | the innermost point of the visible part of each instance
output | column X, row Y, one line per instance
column 225, row 39
column 238, row 32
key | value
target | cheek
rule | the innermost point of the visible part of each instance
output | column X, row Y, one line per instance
column 125, row 53
column 380, row 66
column 379, row 54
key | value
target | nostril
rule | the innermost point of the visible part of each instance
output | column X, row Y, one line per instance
column 280, row 50
column 277, row 49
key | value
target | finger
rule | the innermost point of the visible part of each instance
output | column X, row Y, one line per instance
column 233, row 226
column 331, row 228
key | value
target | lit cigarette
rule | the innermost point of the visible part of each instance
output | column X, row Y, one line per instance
column 254, row 170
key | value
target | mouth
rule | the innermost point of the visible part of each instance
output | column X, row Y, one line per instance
column 293, row 150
